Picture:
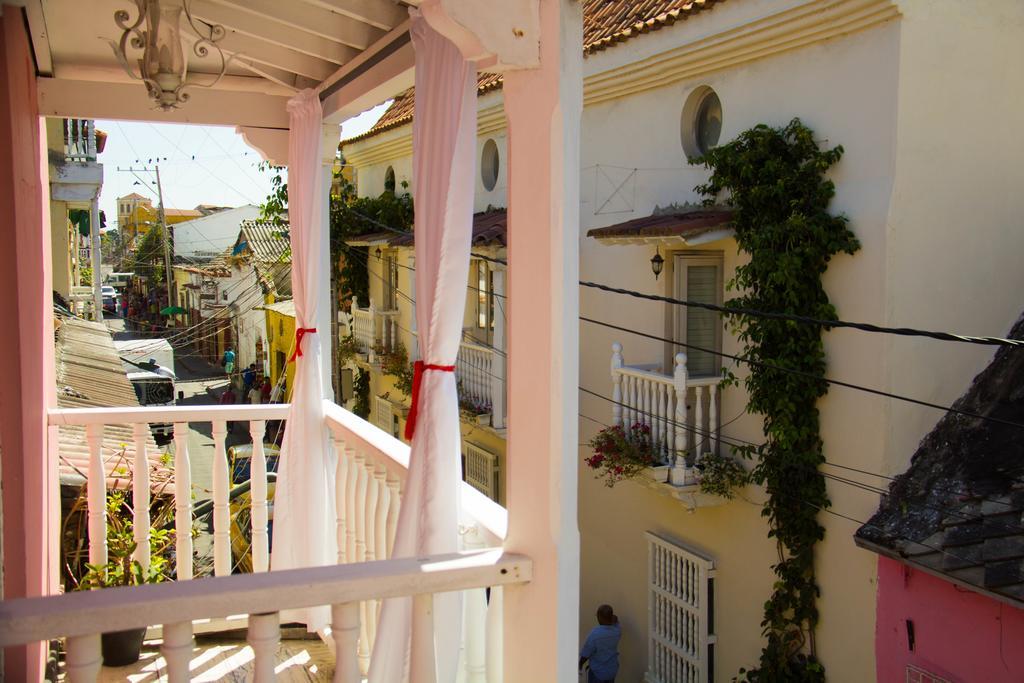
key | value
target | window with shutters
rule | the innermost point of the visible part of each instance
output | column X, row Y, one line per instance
column 681, row 631
column 390, row 282
column 382, row 416
column 698, row 277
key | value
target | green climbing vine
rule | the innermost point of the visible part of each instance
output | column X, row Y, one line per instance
column 774, row 178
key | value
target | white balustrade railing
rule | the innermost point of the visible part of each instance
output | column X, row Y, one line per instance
column 374, row 329
column 372, row 467
column 79, row 140
column 473, row 370
column 681, row 411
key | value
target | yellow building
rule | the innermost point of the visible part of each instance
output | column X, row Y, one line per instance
column 135, row 215
column 384, row 329
column 281, row 340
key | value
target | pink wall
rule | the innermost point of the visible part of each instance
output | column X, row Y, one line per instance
column 959, row 635
column 26, row 343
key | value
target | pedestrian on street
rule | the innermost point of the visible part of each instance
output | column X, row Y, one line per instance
column 228, row 361
column 265, row 390
column 254, row 395
column 601, row 648
column 249, row 377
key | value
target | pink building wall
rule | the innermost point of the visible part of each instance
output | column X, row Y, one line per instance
column 26, row 343
column 960, row 636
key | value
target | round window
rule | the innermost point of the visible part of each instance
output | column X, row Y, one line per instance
column 489, row 165
column 389, row 180
column 701, row 121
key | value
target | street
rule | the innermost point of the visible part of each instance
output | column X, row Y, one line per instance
column 198, row 383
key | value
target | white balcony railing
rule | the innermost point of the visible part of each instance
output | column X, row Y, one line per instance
column 79, row 140
column 374, row 329
column 370, row 477
column 681, row 411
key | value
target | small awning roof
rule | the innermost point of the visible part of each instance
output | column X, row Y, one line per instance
column 694, row 227
column 490, row 229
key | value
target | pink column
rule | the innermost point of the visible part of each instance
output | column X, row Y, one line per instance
column 27, row 388
column 543, row 107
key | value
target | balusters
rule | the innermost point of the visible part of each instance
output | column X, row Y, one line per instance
column 84, row 658
column 221, row 512
column 394, row 500
column 351, row 482
column 258, row 493
column 176, row 649
column 360, row 554
column 182, row 502
column 475, row 611
column 677, row 475
column 97, row 495
column 140, row 496
column 700, row 436
column 617, row 383
column 370, row 539
column 264, row 637
column 713, row 426
column 340, row 490
column 380, row 517
column 345, row 631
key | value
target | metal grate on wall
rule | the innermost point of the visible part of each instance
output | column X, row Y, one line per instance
column 382, row 413
column 681, row 640
column 480, row 470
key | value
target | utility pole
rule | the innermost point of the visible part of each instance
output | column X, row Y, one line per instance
column 163, row 223
column 167, row 239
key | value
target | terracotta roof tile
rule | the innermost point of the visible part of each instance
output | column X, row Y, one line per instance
column 605, row 23
column 687, row 224
column 490, row 229
column 608, row 22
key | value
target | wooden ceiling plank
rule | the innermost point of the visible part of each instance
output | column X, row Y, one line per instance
column 282, row 35
column 315, row 20
column 383, row 15
column 257, row 50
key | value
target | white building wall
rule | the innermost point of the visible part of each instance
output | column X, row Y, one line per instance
column 210, row 235
column 927, row 108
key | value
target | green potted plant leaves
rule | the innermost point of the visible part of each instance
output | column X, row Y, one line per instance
column 621, row 453
column 121, row 648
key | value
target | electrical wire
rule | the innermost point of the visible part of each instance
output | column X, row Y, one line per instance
column 825, row 324
column 807, row 375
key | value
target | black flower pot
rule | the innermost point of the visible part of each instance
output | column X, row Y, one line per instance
column 121, row 648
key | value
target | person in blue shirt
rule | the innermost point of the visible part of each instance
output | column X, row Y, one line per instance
column 229, row 361
column 248, row 377
column 601, row 647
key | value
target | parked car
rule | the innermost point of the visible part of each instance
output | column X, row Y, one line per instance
column 109, row 298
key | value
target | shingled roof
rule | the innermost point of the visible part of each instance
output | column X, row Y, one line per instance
column 270, row 249
column 605, row 23
column 958, row 511
column 90, row 374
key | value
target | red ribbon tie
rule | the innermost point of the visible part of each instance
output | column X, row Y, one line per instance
column 418, row 368
column 299, row 334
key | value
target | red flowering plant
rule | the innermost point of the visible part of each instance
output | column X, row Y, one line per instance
column 622, row 454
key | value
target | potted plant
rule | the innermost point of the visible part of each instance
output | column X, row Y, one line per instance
column 621, row 453
column 121, row 648
column 721, row 475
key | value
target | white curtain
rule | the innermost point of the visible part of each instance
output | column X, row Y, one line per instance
column 444, row 145
column 304, row 522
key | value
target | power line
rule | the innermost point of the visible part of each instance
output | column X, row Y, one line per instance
column 826, row 324
column 807, row 375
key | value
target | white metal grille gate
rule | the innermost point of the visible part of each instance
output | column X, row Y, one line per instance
column 382, row 413
column 680, row 613
column 481, row 470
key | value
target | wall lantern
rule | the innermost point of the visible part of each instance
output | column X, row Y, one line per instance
column 163, row 66
column 657, row 263
column 378, row 252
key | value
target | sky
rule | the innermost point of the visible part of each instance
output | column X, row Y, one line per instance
column 198, row 164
